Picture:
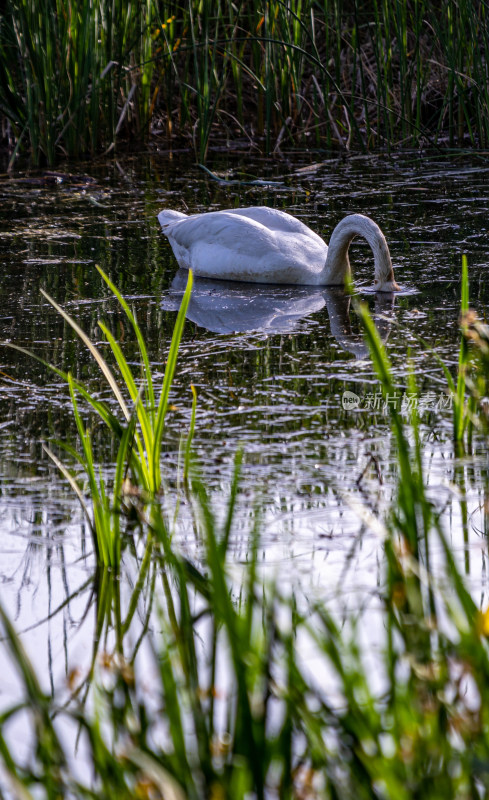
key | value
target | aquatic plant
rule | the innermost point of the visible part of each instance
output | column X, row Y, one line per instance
column 233, row 708
column 79, row 78
column 463, row 408
column 463, row 387
column 139, row 435
column 73, row 76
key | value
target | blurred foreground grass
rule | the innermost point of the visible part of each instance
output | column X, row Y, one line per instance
column 249, row 691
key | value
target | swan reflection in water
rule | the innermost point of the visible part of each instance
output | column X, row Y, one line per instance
column 230, row 307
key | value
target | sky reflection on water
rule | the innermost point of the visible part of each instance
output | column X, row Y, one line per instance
column 275, row 389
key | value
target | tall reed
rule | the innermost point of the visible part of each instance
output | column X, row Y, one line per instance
column 76, row 78
column 74, row 75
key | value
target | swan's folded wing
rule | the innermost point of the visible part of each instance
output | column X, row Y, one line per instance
column 275, row 220
column 228, row 231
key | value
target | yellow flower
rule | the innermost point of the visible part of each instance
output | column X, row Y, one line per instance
column 482, row 622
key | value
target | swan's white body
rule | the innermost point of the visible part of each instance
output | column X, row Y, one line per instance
column 263, row 245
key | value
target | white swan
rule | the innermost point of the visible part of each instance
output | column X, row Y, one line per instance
column 263, row 245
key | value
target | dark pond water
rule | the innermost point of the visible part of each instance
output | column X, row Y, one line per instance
column 270, row 380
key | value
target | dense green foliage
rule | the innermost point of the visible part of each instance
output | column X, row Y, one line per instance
column 79, row 77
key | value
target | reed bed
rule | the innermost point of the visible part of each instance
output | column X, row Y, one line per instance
column 229, row 707
column 84, row 77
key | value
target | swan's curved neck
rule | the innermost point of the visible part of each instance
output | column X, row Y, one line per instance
column 337, row 266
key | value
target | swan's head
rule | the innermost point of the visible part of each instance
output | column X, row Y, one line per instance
column 386, row 286
column 337, row 262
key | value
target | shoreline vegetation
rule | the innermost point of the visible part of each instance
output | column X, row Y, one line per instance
column 225, row 704
column 83, row 78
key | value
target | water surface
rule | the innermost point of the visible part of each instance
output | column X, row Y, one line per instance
column 270, row 365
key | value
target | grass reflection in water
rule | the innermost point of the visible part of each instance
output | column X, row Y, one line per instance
column 201, row 689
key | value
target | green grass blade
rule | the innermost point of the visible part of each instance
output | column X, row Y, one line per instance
column 142, row 345
column 190, row 437
column 71, row 480
column 99, row 525
column 114, row 513
column 409, row 482
column 168, row 379
column 135, row 394
column 224, row 544
column 94, row 352
column 460, row 415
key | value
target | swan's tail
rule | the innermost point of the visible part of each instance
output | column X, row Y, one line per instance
column 167, row 216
